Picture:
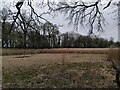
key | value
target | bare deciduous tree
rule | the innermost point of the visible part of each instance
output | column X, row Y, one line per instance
column 78, row 12
column 83, row 13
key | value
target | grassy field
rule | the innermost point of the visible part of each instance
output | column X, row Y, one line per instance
column 64, row 68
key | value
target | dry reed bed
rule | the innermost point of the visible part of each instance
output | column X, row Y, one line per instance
column 114, row 56
column 60, row 50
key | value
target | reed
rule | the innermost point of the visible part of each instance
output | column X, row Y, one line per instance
column 114, row 56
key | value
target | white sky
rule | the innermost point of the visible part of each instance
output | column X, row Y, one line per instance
column 110, row 30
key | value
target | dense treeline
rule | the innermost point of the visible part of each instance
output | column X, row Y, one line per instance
column 49, row 36
column 74, row 40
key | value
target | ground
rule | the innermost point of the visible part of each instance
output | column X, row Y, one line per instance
column 58, row 70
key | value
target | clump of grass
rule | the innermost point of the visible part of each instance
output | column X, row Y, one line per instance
column 114, row 55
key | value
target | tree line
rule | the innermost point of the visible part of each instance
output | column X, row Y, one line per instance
column 29, row 33
column 48, row 36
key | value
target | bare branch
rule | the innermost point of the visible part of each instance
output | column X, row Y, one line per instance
column 80, row 12
column 108, row 4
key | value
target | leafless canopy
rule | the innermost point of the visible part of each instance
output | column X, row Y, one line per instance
column 78, row 13
column 26, row 23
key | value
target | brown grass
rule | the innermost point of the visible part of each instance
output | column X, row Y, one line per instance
column 60, row 50
column 14, row 61
column 17, row 51
column 58, row 68
column 114, row 56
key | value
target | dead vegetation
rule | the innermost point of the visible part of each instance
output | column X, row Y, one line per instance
column 59, row 50
column 59, row 70
column 13, row 61
column 67, row 75
column 114, row 56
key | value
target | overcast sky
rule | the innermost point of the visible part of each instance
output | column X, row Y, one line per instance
column 110, row 30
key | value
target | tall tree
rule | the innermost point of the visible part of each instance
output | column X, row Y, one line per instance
column 5, row 14
column 52, row 31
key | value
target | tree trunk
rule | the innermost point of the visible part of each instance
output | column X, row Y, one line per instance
column 25, row 33
column 49, row 40
column 58, row 41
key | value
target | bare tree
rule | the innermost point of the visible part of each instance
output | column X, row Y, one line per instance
column 83, row 13
column 78, row 12
column 20, row 20
column 5, row 15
